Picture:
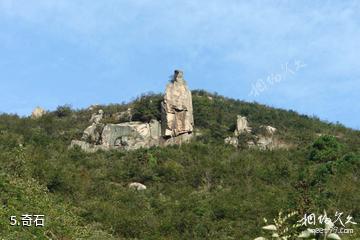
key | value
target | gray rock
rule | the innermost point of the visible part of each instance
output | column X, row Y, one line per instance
column 92, row 134
column 155, row 129
column 131, row 135
column 127, row 136
column 97, row 117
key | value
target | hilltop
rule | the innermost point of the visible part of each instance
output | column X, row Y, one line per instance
column 204, row 189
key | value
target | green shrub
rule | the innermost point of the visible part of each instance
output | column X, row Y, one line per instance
column 325, row 148
column 147, row 107
column 63, row 111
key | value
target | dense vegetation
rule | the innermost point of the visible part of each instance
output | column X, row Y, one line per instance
column 201, row 190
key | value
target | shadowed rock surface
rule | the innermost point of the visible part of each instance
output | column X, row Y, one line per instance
column 131, row 135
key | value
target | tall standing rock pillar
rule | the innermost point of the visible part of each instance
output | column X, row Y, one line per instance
column 177, row 111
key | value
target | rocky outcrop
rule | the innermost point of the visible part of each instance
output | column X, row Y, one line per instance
column 131, row 135
column 92, row 134
column 177, row 111
column 176, row 128
column 263, row 139
column 125, row 136
column 241, row 126
column 38, row 112
column 97, row 117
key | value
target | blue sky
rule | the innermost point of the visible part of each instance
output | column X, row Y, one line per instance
column 56, row 52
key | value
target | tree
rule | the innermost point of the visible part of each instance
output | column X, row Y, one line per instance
column 325, row 148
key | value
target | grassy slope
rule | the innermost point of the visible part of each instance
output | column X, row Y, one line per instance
column 202, row 190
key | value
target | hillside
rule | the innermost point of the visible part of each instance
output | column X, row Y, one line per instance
column 201, row 190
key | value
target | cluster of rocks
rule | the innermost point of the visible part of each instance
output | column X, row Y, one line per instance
column 176, row 126
column 264, row 140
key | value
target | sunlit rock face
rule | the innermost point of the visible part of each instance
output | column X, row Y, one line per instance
column 177, row 111
column 242, row 126
column 176, row 127
column 38, row 112
column 137, row 186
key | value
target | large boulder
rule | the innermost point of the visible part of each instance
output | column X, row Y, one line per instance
column 38, row 112
column 177, row 110
column 131, row 135
column 155, row 129
column 92, row 134
column 137, row 186
column 263, row 138
column 126, row 136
